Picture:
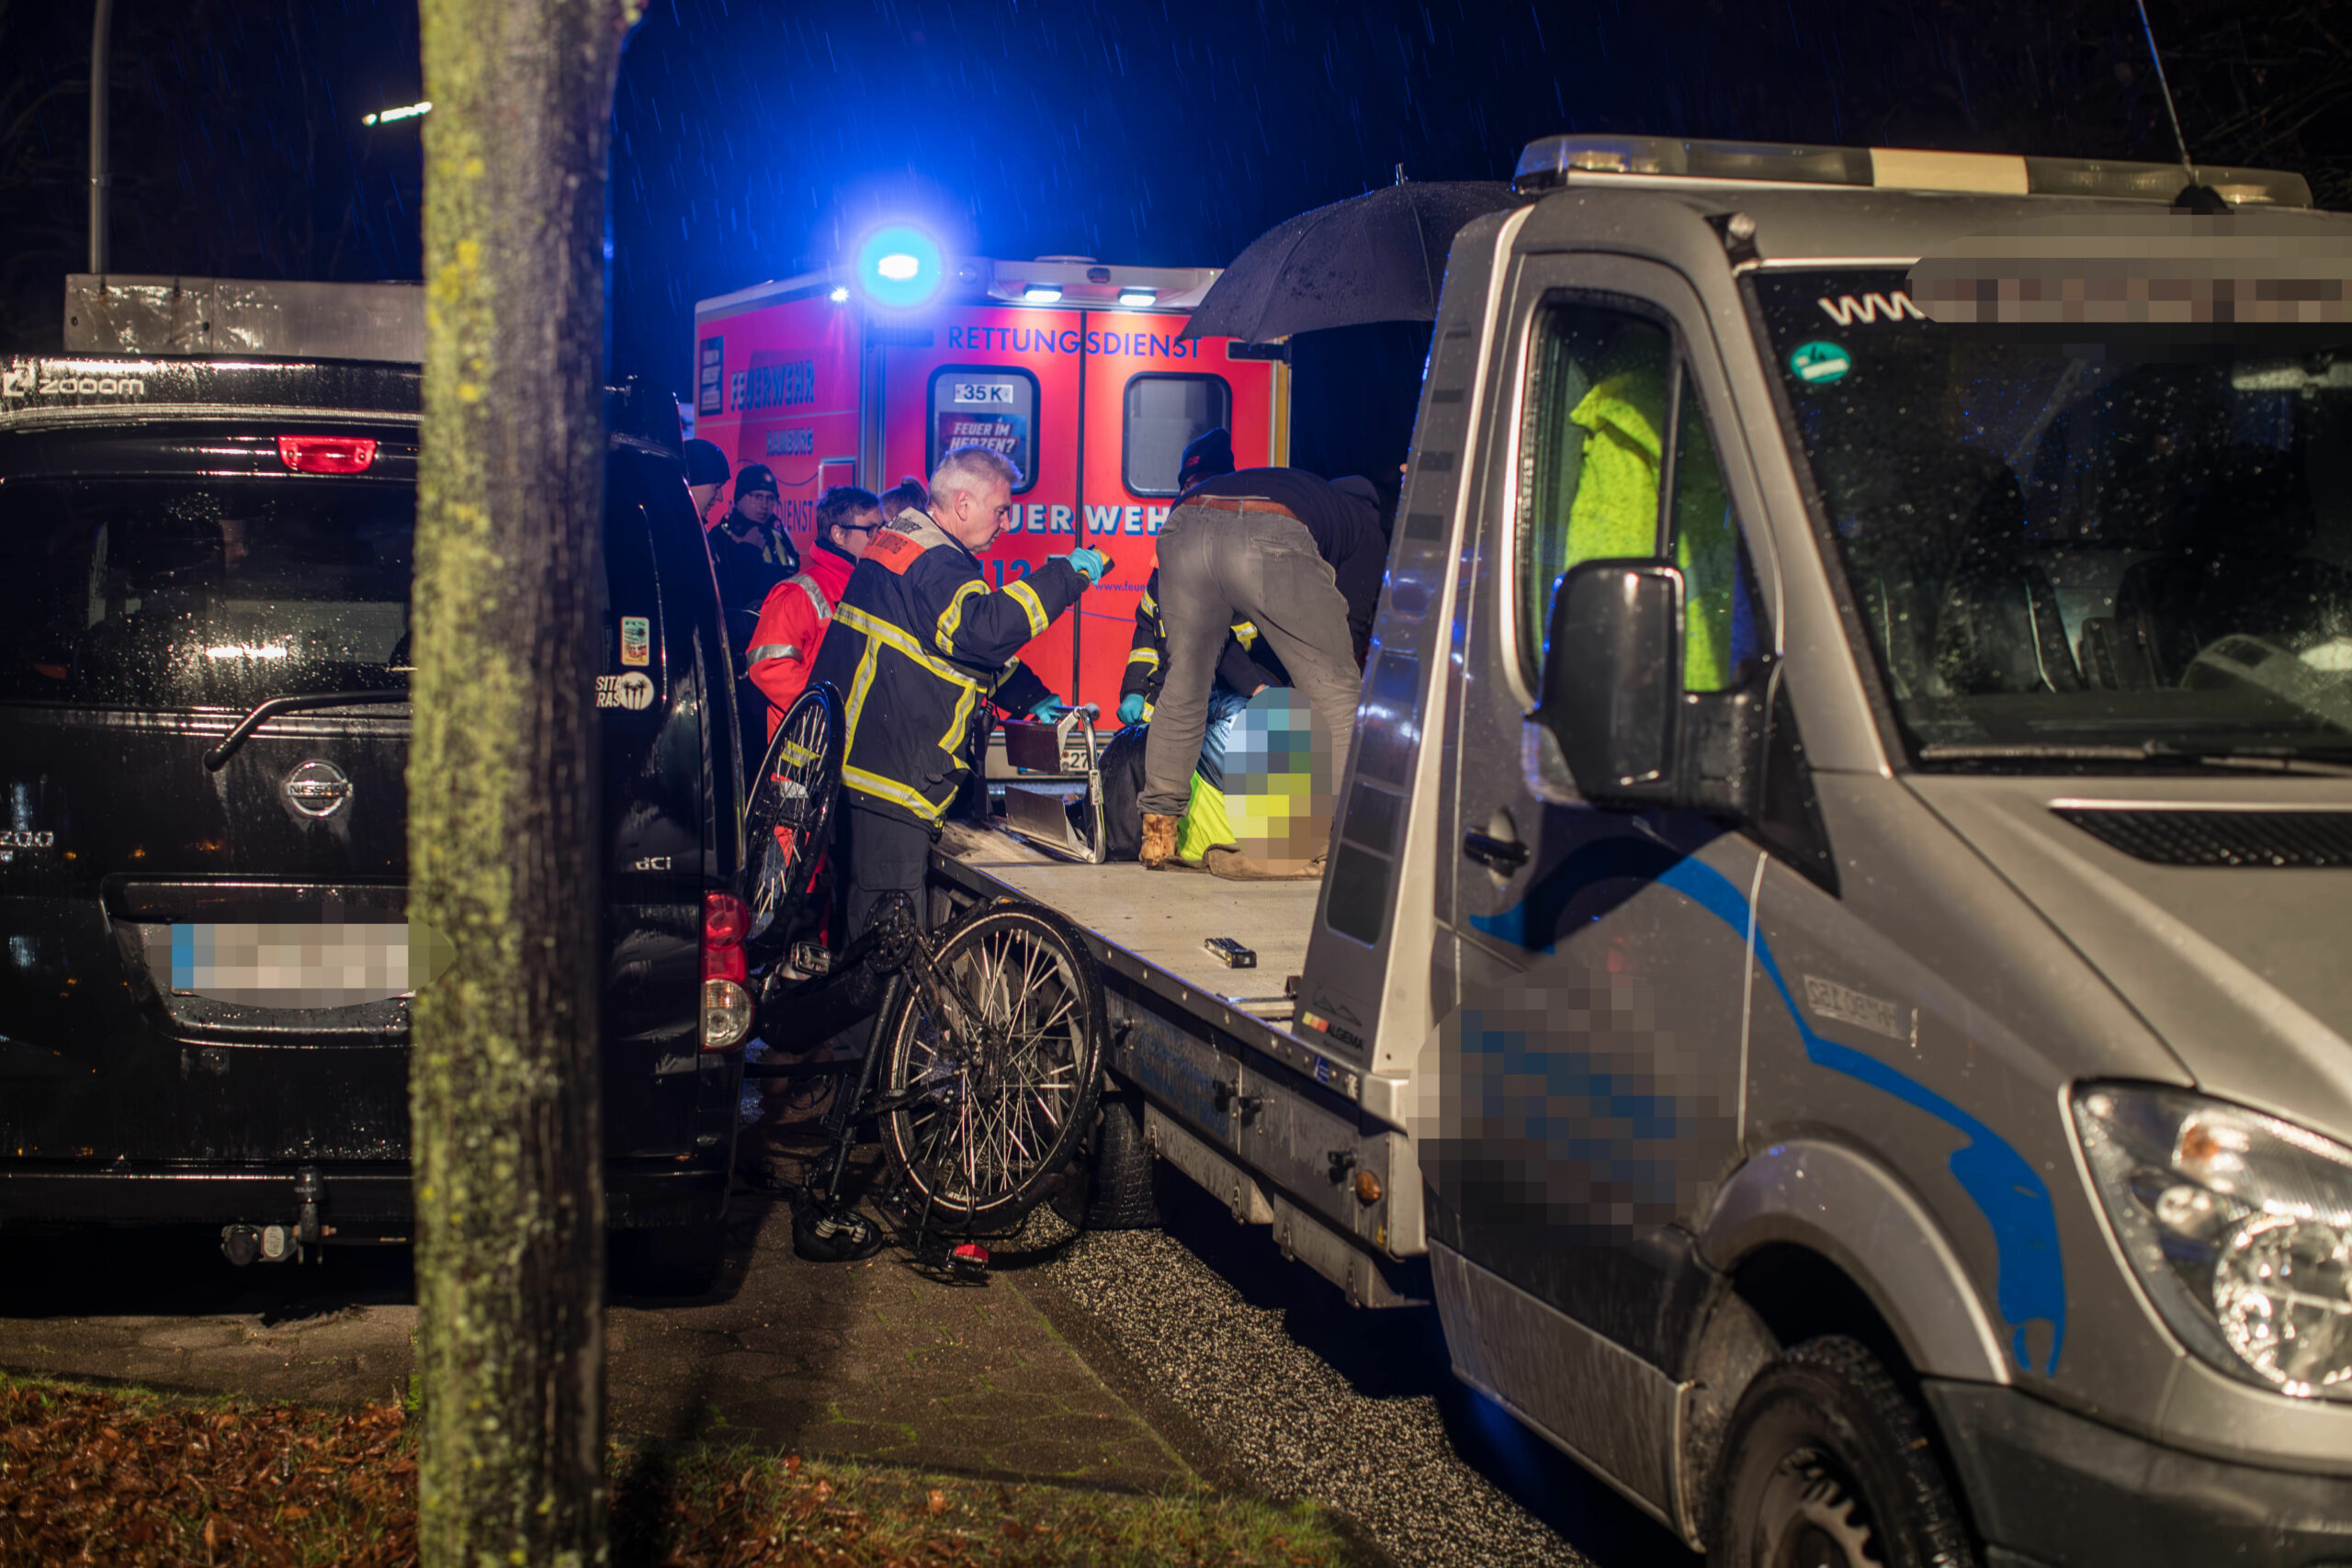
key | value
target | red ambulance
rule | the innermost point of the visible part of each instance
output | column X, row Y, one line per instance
column 1075, row 370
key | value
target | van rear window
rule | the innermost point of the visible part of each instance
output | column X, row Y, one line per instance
column 202, row 592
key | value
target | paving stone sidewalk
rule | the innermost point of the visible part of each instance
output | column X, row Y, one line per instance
column 869, row 1360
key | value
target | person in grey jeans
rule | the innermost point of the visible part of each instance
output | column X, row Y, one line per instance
column 1293, row 552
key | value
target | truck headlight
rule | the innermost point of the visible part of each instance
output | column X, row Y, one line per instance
column 2238, row 1224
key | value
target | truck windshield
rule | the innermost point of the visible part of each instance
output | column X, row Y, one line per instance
column 202, row 591
column 2064, row 560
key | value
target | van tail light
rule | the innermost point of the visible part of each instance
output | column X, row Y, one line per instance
column 726, row 993
column 327, row 454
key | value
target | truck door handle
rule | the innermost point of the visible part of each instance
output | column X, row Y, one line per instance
column 1505, row 855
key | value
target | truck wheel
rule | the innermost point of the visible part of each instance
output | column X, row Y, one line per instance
column 673, row 1260
column 1828, row 1466
column 1122, row 1199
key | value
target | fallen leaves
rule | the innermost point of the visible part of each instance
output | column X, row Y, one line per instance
column 96, row 1478
column 93, row 1477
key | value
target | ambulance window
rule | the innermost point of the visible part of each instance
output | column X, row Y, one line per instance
column 986, row 405
column 1164, row 414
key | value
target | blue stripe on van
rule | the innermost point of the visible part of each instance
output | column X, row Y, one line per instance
column 2004, row 1187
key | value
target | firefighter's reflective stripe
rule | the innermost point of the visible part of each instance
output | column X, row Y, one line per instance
column 817, row 600
column 1147, row 657
column 897, row 793
column 1031, row 605
column 881, row 635
column 771, row 651
column 1147, row 603
column 953, row 617
column 882, row 631
column 1247, row 632
column 859, row 686
column 878, row 635
column 952, row 741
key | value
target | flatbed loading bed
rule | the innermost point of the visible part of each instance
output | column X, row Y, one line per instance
column 1228, row 1094
column 1150, row 927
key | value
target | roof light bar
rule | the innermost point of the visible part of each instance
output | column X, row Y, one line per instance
column 1139, row 298
column 1557, row 161
column 1043, row 293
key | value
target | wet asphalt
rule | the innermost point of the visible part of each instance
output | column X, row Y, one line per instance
column 1288, row 1390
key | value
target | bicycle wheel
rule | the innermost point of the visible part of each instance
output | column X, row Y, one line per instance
column 980, row 1112
column 790, row 812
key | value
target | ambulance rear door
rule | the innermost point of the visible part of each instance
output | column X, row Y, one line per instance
column 1148, row 394
column 777, row 382
column 1005, row 377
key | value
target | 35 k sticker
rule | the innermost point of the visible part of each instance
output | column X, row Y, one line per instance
column 636, row 639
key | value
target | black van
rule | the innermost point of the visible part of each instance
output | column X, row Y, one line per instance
column 205, row 966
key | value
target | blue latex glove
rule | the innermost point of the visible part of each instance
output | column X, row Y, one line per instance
column 1045, row 710
column 1088, row 564
column 1131, row 708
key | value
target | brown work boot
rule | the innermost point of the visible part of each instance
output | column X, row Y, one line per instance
column 1159, row 839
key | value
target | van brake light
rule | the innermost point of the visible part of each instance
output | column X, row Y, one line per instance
column 327, row 454
column 725, row 996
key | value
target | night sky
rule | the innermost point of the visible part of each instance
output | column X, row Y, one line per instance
column 754, row 140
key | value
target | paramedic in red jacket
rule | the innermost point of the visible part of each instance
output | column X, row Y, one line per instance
column 918, row 641
column 792, row 621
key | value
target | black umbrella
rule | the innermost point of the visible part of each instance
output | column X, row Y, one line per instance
column 1378, row 257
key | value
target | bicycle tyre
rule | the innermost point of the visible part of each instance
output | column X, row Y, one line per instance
column 980, row 1130
column 789, row 814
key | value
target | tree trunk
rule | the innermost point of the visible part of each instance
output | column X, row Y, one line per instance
column 502, row 812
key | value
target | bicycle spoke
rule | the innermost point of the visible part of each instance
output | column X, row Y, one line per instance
column 991, row 1069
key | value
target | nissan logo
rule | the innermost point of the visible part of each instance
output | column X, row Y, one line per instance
column 318, row 789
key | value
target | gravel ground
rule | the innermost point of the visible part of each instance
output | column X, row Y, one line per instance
column 1305, row 1396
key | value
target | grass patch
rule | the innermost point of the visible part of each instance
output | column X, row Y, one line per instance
column 110, row 1476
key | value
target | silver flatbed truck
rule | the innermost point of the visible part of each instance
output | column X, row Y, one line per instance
column 1832, row 967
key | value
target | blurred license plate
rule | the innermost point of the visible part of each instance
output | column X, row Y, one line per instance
column 319, row 963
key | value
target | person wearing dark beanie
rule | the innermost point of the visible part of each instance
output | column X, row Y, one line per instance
column 749, row 553
column 706, row 474
column 1210, row 455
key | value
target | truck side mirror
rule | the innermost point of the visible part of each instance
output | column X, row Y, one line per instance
column 1612, row 678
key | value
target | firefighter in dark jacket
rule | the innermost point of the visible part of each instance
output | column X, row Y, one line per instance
column 917, row 643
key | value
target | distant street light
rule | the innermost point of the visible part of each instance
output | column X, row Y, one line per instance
column 406, row 111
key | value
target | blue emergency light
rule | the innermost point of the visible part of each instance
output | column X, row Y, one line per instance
column 898, row 266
